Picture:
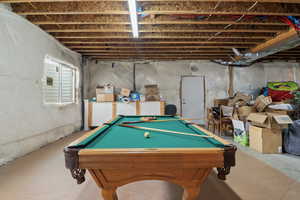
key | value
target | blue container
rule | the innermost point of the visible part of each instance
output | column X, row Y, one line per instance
column 135, row 96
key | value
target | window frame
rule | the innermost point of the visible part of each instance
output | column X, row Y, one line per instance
column 75, row 81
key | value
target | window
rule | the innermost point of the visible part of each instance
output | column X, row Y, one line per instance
column 60, row 82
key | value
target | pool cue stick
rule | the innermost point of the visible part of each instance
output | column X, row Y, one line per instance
column 163, row 120
column 165, row 131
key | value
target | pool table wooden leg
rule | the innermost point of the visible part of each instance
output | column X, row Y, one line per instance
column 109, row 194
column 191, row 193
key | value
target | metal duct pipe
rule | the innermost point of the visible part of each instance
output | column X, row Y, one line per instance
column 282, row 42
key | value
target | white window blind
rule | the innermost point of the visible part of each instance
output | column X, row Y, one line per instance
column 67, row 84
column 60, row 82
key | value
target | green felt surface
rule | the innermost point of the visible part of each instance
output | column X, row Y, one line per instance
column 123, row 137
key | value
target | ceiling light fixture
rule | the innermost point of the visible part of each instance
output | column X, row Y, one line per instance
column 133, row 18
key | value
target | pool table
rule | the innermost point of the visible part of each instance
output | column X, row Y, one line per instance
column 115, row 155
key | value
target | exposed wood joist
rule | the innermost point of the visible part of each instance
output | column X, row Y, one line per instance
column 162, row 31
column 180, row 29
column 160, row 8
column 186, row 12
column 156, row 51
column 156, row 47
column 150, row 59
column 157, row 57
column 44, row 1
column 158, row 22
column 159, row 42
column 163, row 37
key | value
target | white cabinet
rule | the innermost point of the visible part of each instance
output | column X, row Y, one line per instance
column 126, row 108
column 98, row 113
column 102, row 112
column 150, row 108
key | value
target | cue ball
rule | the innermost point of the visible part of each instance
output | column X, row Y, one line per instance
column 147, row 135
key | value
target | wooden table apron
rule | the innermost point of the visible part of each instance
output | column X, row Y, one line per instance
column 112, row 168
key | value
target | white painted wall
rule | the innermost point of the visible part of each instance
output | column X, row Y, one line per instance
column 26, row 123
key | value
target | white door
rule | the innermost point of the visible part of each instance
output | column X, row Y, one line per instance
column 192, row 98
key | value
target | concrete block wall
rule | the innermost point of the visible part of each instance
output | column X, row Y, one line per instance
column 251, row 79
column 26, row 123
column 168, row 75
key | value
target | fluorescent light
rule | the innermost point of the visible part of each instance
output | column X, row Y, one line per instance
column 133, row 18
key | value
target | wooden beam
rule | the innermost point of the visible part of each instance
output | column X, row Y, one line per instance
column 149, row 59
column 156, row 42
column 156, row 47
column 156, row 51
column 159, row 58
column 184, row 22
column 190, row 12
column 161, row 12
column 205, row 8
column 155, row 57
column 162, row 37
column 163, row 30
column 106, row 12
column 156, row 54
column 246, row 1
column 278, row 39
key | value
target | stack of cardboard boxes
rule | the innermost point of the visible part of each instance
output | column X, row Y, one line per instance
column 152, row 93
column 105, row 93
column 265, row 131
column 261, row 125
column 265, row 127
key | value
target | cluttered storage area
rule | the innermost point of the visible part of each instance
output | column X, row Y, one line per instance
column 150, row 99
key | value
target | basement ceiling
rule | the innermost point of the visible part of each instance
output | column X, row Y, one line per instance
column 168, row 29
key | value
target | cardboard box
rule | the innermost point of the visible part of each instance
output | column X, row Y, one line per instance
column 279, row 111
column 245, row 111
column 125, row 92
column 152, row 97
column 240, row 99
column 152, row 90
column 100, row 90
column 105, row 97
column 106, row 89
column 227, row 111
column 265, row 140
column 262, row 102
column 269, row 120
column 218, row 102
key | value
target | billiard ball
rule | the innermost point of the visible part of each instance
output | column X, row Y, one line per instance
column 147, row 135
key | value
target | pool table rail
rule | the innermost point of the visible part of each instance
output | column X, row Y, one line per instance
column 77, row 160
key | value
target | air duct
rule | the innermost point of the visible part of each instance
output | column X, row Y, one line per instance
column 282, row 42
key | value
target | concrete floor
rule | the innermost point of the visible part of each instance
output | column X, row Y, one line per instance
column 41, row 175
column 285, row 163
